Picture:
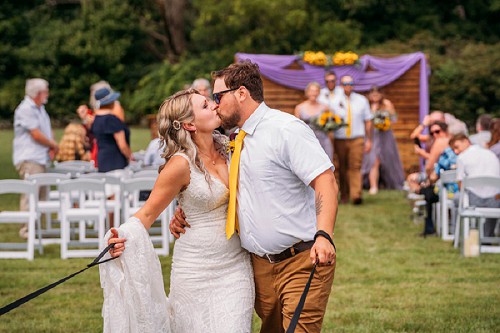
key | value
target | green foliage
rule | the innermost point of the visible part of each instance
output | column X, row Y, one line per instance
column 127, row 44
column 73, row 47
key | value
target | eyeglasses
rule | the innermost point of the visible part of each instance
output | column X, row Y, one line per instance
column 330, row 81
column 436, row 132
column 218, row 95
column 348, row 83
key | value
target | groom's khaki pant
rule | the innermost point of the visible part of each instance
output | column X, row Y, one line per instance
column 278, row 288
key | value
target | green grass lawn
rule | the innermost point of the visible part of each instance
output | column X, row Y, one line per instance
column 387, row 278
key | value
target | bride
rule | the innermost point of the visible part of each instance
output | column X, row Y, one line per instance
column 211, row 283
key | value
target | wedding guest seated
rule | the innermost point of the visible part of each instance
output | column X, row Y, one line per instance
column 309, row 111
column 153, row 153
column 439, row 131
column 474, row 160
column 86, row 115
column 446, row 161
column 454, row 126
column 382, row 163
column 72, row 145
column 494, row 143
column 483, row 134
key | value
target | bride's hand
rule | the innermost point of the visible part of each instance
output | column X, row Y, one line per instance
column 178, row 223
column 117, row 250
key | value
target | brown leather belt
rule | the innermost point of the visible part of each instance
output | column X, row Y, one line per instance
column 288, row 253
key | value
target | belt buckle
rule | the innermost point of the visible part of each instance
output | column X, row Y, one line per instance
column 269, row 258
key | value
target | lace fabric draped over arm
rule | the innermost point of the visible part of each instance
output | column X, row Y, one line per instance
column 134, row 294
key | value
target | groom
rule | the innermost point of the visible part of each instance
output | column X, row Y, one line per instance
column 287, row 202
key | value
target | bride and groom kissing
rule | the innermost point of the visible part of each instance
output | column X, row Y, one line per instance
column 248, row 235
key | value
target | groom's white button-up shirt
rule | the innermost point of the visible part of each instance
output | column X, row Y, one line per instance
column 280, row 158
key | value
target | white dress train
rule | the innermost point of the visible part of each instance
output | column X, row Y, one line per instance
column 211, row 283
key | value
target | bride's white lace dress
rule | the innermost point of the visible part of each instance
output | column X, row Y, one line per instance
column 211, row 283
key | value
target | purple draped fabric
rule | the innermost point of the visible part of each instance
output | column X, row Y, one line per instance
column 382, row 72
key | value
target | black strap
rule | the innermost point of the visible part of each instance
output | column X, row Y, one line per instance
column 40, row 291
column 300, row 306
column 322, row 233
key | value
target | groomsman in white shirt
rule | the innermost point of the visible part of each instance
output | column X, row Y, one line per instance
column 351, row 141
column 286, row 202
column 328, row 93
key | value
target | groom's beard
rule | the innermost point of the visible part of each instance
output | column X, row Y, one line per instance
column 230, row 121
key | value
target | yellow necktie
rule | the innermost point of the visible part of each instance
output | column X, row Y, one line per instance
column 232, row 218
column 348, row 129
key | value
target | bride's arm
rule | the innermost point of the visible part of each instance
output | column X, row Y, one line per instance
column 174, row 177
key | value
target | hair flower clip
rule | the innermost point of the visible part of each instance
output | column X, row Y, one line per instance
column 176, row 125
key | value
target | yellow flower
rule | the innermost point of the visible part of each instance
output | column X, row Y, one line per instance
column 324, row 118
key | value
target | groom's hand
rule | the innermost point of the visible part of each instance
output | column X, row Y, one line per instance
column 178, row 223
column 323, row 252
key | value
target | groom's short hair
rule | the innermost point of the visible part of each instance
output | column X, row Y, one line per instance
column 244, row 73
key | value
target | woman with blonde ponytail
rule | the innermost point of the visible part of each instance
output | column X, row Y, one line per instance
column 211, row 283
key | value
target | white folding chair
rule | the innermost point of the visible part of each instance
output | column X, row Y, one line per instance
column 446, row 211
column 466, row 213
column 48, row 182
column 20, row 250
column 74, row 168
column 148, row 173
column 90, row 208
column 132, row 203
column 135, row 165
column 112, row 180
column 87, row 166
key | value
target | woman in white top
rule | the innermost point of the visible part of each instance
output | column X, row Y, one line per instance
column 211, row 284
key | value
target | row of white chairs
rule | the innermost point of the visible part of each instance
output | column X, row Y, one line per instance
column 83, row 202
column 453, row 223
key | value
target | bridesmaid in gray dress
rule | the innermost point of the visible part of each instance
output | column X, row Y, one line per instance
column 309, row 110
column 383, row 162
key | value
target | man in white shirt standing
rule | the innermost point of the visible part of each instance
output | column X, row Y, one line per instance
column 33, row 137
column 328, row 93
column 351, row 141
column 286, row 201
column 474, row 160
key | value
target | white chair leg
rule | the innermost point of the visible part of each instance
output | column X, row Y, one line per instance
column 457, row 231
column 64, row 237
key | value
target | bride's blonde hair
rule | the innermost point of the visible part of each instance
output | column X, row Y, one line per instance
column 173, row 112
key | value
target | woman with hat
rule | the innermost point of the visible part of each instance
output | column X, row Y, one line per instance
column 111, row 133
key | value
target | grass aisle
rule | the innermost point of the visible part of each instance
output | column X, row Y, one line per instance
column 387, row 279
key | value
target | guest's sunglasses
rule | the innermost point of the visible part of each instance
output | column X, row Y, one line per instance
column 348, row 83
column 330, row 81
column 218, row 95
column 436, row 132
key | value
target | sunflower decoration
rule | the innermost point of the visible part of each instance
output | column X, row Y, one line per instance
column 345, row 58
column 337, row 59
column 315, row 58
column 327, row 122
column 382, row 120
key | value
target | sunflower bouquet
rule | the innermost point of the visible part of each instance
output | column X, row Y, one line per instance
column 327, row 122
column 382, row 120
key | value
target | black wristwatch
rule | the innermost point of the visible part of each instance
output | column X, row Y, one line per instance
column 321, row 233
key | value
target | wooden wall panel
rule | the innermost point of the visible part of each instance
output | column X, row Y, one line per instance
column 404, row 93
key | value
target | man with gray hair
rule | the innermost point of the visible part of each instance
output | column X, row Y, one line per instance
column 203, row 87
column 33, row 137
